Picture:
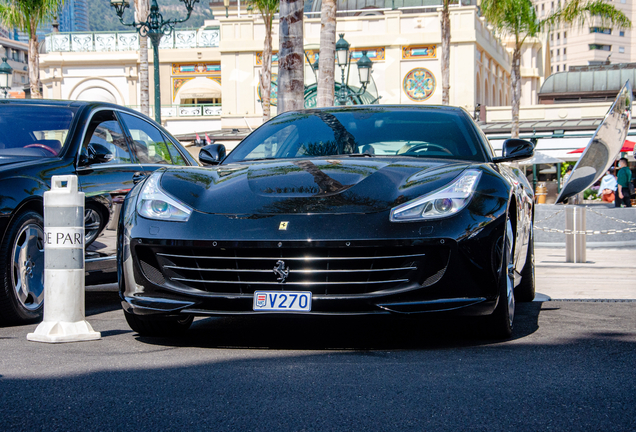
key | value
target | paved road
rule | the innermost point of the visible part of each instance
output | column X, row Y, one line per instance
column 570, row 366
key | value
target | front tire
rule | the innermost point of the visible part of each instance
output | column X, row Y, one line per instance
column 158, row 326
column 499, row 324
column 22, row 264
column 525, row 292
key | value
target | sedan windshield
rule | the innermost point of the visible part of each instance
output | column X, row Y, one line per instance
column 414, row 132
column 35, row 131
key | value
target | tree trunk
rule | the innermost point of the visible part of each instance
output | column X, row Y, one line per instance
column 266, row 74
column 326, row 64
column 141, row 14
column 445, row 53
column 516, row 90
column 291, row 68
column 34, row 66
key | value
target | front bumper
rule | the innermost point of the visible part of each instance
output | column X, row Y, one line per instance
column 351, row 270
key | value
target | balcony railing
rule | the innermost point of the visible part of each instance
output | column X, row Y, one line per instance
column 199, row 110
column 128, row 41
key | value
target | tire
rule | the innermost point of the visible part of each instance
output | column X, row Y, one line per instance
column 22, row 270
column 94, row 223
column 525, row 291
column 499, row 324
column 159, row 326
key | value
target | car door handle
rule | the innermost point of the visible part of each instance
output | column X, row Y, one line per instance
column 138, row 176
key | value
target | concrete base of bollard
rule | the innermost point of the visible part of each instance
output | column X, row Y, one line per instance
column 59, row 332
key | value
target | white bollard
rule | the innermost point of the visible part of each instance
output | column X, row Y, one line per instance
column 64, row 305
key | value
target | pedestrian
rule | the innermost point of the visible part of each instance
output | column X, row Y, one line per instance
column 623, row 179
column 608, row 186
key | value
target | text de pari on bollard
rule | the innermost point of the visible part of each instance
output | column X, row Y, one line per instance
column 64, row 305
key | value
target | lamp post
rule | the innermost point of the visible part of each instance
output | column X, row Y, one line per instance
column 155, row 27
column 364, row 64
column 6, row 76
column 226, row 3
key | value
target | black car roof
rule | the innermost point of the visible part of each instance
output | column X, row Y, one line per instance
column 382, row 107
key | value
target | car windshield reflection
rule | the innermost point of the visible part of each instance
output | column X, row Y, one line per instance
column 370, row 132
column 33, row 131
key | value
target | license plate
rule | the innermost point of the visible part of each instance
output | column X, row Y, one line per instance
column 282, row 301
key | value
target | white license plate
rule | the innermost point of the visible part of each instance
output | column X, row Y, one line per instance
column 282, row 301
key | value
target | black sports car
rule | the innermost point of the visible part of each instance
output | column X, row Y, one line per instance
column 108, row 147
column 353, row 210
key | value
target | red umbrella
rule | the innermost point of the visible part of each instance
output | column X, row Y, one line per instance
column 627, row 147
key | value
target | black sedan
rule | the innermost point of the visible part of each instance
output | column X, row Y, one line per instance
column 108, row 147
column 345, row 211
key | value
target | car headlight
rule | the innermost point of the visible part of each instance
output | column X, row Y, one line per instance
column 153, row 203
column 443, row 203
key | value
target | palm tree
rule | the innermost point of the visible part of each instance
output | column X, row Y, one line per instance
column 142, row 8
column 445, row 22
column 267, row 9
column 518, row 18
column 326, row 64
column 291, row 66
column 27, row 16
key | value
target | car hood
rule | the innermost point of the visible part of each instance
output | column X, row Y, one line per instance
column 10, row 162
column 336, row 186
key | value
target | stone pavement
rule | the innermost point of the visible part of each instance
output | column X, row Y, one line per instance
column 608, row 274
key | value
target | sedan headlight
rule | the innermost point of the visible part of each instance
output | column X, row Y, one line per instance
column 153, row 203
column 443, row 203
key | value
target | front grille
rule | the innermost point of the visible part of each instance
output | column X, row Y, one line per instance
column 327, row 271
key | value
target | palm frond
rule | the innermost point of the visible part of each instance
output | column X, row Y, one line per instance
column 579, row 12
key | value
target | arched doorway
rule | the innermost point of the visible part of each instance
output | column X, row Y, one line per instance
column 197, row 91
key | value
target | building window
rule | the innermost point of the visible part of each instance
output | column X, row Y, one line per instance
column 542, row 6
column 551, row 37
column 557, row 68
column 621, row 33
column 565, row 51
column 603, row 30
column 551, row 69
column 551, row 53
column 621, row 49
column 600, row 47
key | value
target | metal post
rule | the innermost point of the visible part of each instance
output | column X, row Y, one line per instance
column 156, row 40
column 575, row 243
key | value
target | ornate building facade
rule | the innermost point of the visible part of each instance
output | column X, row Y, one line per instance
column 210, row 76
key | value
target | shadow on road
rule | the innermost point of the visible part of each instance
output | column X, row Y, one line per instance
column 348, row 333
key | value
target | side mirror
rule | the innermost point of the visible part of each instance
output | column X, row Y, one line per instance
column 212, row 154
column 515, row 149
column 97, row 153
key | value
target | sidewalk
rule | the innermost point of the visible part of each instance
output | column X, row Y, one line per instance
column 609, row 274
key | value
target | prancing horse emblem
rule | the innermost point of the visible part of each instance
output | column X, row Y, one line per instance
column 281, row 271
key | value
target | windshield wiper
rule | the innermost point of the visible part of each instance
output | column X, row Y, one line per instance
column 359, row 155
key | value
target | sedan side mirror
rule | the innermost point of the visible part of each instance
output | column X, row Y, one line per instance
column 212, row 154
column 97, row 153
column 515, row 149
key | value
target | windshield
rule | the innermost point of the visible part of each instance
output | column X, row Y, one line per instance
column 412, row 132
column 32, row 130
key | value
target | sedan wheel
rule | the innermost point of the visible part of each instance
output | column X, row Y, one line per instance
column 22, row 258
column 92, row 224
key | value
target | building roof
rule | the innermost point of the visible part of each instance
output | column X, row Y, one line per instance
column 587, row 83
column 542, row 126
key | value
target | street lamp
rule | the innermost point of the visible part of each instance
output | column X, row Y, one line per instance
column 364, row 64
column 155, row 27
column 6, row 76
column 226, row 3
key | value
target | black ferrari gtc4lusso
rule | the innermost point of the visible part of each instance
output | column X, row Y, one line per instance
column 352, row 210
